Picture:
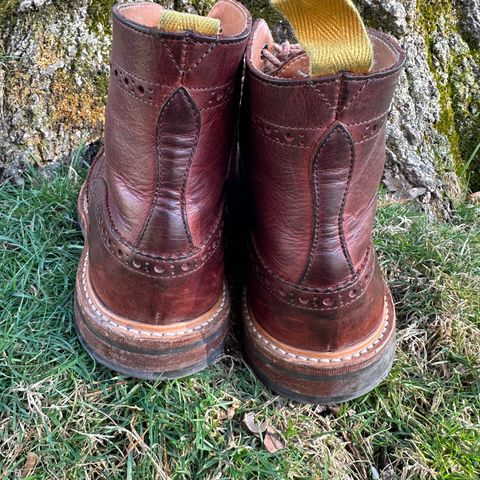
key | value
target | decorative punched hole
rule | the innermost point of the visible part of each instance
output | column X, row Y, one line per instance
column 374, row 128
column 119, row 253
column 328, row 302
column 141, row 90
column 158, row 269
column 126, row 80
column 268, row 130
column 115, row 72
column 137, row 264
column 289, row 137
column 185, row 267
column 282, row 292
column 352, row 293
column 109, row 242
column 219, row 97
column 303, row 300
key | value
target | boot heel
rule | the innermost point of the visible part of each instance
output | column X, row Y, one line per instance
column 316, row 377
column 142, row 350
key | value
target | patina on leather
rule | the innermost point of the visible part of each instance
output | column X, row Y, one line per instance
column 154, row 197
column 313, row 150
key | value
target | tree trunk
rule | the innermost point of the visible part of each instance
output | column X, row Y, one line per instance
column 54, row 76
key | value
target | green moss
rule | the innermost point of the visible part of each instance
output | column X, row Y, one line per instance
column 99, row 13
column 466, row 105
column 101, row 85
column 202, row 7
column 429, row 14
column 7, row 8
column 447, row 123
column 456, row 122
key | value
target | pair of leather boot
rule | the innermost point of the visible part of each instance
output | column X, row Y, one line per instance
column 151, row 298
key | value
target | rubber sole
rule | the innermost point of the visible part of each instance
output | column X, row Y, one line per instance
column 190, row 370
column 316, row 377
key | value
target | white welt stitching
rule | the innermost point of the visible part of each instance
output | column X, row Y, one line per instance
column 145, row 332
column 316, row 359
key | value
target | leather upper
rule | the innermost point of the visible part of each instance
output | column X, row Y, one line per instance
column 155, row 195
column 313, row 150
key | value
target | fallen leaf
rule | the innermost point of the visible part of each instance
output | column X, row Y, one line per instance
column 252, row 425
column 222, row 415
column 273, row 441
column 30, row 463
column 474, row 198
column 231, row 413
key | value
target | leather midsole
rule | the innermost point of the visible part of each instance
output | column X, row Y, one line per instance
column 363, row 350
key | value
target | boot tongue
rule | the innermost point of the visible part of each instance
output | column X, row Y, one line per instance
column 172, row 21
column 332, row 34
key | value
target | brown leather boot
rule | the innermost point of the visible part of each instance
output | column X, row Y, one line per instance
column 319, row 318
column 151, row 299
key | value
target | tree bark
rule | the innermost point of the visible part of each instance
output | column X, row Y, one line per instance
column 54, row 77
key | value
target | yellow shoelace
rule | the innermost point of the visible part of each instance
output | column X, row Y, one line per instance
column 172, row 21
column 332, row 34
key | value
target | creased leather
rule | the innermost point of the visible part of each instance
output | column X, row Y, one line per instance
column 329, row 261
column 178, row 129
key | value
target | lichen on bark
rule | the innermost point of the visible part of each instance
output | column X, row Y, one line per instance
column 53, row 79
column 53, row 94
column 432, row 130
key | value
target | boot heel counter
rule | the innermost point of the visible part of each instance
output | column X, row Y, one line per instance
column 151, row 288
column 318, row 318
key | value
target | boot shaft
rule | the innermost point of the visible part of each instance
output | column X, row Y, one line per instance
column 315, row 151
column 155, row 194
column 170, row 122
column 319, row 317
